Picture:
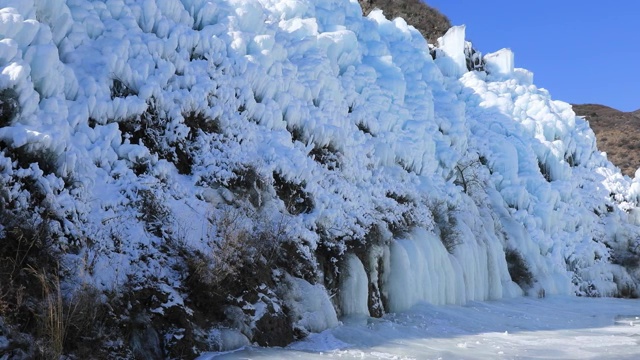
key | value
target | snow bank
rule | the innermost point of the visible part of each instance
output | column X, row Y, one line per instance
column 311, row 306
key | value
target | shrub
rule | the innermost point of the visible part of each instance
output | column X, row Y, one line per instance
column 444, row 217
column 297, row 133
column 146, row 127
column 85, row 318
column 326, row 155
column 151, row 129
column 31, row 297
column 295, row 198
column 571, row 159
column 474, row 59
column 183, row 149
column 198, row 121
column 152, row 211
column 245, row 244
column 9, row 106
column 248, row 183
column 362, row 126
column 121, row 90
column 164, row 136
column 52, row 316
column 518, row 269
column 33, row 154
column 627, row 291
column 406, row 218
column 25, row 241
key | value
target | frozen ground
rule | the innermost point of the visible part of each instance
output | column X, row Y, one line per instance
column 557, row 327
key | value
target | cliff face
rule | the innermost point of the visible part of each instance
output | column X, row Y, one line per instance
column 203, row 174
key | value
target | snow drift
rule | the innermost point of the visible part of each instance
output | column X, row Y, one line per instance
column 255, row 162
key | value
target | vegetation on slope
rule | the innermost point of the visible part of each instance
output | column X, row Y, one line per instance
column 428, row 20
column 617, row 133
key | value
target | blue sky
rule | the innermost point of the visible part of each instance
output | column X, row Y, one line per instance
column 581, row 51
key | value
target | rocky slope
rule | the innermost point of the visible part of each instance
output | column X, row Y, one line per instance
column 617, row 133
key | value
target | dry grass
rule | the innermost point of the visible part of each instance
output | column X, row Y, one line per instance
column 53, row 322
column 64, row 323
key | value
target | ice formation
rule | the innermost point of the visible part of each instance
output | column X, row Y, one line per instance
column 408, row 178
column 500, row 62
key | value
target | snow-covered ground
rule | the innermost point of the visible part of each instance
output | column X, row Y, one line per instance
column 556, row 327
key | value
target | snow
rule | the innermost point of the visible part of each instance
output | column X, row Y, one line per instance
column 228, row 339
column 557, row 327
column 311, row 306
column 351, row 110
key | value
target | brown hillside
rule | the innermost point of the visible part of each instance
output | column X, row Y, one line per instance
column 429, row 21
column 617, row 133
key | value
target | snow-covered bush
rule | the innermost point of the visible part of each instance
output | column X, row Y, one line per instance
column 403, row 224
column 153, row 211
column 26, row 242
column 25, row 155
column 236, row 275
column 243, row 245
column 294, row 196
